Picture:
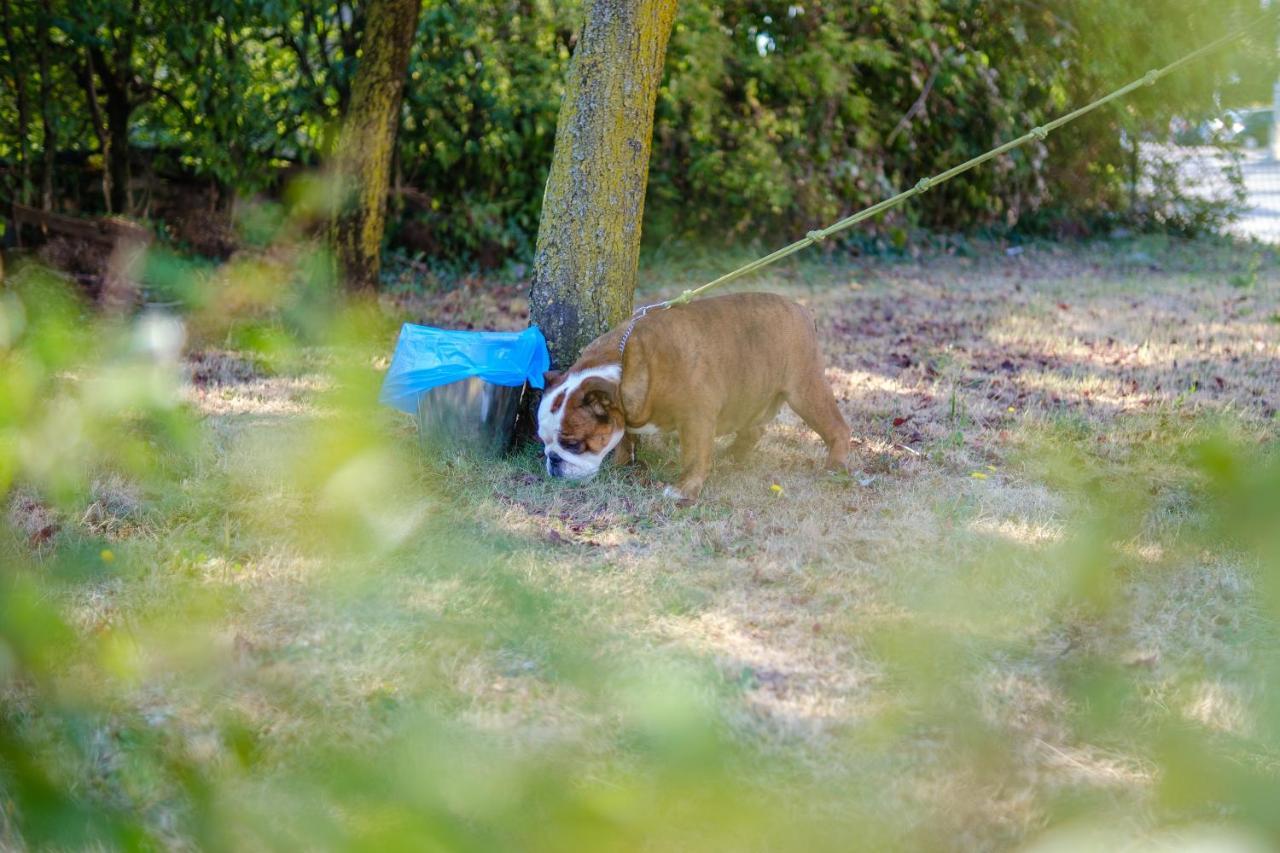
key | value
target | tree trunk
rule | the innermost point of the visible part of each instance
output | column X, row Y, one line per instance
column 589, row 235
column 88, row 80
column 49, row 136
column 119, row 112
column 10, row 32
column 365, row 150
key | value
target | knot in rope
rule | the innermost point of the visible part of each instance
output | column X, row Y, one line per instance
column 816, row 235
column 682, row 298
column 1040, row 133
column 924, row 184
column 1151, row 77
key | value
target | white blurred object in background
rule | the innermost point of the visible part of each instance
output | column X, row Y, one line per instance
column 160, row 335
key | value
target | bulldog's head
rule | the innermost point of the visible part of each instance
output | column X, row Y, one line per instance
column 580, row 420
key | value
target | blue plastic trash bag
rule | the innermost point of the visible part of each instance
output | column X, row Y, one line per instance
column 426, row 358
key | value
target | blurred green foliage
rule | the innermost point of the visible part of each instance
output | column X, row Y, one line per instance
column 133, row 715
column 772, row 114
column 791, row 115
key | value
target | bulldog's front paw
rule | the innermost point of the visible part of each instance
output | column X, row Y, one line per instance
column 681, row 498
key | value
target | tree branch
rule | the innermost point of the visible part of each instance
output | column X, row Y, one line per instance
column 918, row 106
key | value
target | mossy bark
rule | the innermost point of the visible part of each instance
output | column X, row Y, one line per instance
column 366, row 148
column 589, row 236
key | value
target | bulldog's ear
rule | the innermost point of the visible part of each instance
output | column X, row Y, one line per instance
column 598, row 396
column 598, row 403
column 551, row 377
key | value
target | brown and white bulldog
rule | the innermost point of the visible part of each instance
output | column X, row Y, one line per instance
column 710, row 367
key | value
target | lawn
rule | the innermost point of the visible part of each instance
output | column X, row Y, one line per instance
column 1040, row 609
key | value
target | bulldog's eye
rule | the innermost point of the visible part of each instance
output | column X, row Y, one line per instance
column 572, row 446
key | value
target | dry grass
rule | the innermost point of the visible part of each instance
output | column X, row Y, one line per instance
column 783, row 582
column 951, row 372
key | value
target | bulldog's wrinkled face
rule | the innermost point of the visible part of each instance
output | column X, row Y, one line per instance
column 580, row 420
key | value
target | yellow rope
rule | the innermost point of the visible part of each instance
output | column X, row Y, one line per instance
column 925, row 184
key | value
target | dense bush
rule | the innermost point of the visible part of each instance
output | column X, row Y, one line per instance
column 773, row 115
column 792, row 115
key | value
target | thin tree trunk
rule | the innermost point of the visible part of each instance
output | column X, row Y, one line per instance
column 90, row 84
column 589, row 235
column 49, row 137
column 1135, row 171
column 364, row 158
column 119, row 112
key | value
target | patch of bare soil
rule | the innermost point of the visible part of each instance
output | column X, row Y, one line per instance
column 932, row 347
column 32, row 518
column 473, row 303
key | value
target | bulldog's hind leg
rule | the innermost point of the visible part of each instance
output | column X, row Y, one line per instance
column 813, row 401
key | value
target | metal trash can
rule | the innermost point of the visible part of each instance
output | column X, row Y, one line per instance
column 465, row 388
column 472, row 415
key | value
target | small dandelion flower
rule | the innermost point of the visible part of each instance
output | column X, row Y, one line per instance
column 776, row 489
column 978, row 475
column 1011, row 410
column 107, row 555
